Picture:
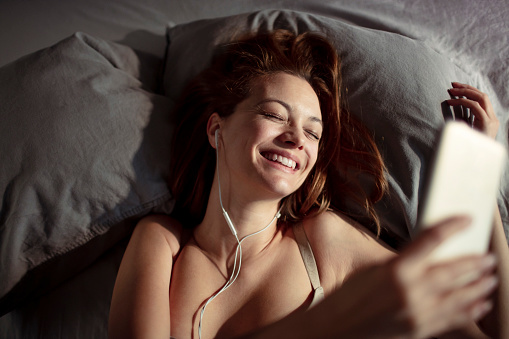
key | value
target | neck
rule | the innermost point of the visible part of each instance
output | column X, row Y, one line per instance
column 214, row 236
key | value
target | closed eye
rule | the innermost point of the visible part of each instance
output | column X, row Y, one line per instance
column 273, row 116
column 313, row 135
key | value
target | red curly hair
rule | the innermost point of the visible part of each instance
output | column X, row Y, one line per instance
column 346, row 149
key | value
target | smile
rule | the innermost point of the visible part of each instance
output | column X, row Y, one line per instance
column 280, row 159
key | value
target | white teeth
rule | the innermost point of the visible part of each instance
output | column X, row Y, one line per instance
column 285, row 161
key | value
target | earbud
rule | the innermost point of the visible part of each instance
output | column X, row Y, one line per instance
column 225, row 214
column 238, row 250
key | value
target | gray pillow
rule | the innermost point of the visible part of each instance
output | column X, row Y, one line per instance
column 395, row 86
column 84, row 147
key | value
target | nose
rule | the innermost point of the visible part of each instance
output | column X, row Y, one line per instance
column 293, row 138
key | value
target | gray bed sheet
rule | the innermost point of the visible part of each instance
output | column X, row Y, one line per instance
column 472, row 34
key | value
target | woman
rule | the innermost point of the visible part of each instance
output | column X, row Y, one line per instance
column 268, row 110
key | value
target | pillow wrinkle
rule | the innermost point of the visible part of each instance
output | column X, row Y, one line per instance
column 395, row 86
column 74, row 123
column 121, row 57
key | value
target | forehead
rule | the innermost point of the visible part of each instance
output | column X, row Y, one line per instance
column 296, row 92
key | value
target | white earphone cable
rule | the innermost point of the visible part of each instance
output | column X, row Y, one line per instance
column 238, row 250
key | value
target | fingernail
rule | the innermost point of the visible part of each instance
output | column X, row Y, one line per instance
column 488, row 306
column 489, row 261
column 482, row 310
column 491, row 283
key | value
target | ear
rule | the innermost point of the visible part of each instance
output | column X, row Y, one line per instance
column 213, row 124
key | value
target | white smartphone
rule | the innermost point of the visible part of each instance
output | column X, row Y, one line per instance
column 463, row 180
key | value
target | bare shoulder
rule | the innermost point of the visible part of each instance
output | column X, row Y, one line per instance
column 140, row 304
column 338, row 229
column 342, row 245
column 155, row 228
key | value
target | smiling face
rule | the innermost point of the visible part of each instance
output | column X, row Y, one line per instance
column 271, row 140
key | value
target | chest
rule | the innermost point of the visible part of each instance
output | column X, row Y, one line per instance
column 267, row 289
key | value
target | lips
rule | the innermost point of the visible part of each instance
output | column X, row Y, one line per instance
column 280, row 159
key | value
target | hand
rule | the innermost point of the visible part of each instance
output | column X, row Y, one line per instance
column 479, row 105
column 409, row 296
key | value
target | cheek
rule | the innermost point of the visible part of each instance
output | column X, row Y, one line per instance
column 313, row 155
column 262, row 131
column 247, row 136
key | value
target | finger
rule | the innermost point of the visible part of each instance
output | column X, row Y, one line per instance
column 478, row 291
column 472, row 93
column 475, row 108
column 467, row 86
column 462, row 299
column 465, row 112
column 476, row 95
column 458, row 110
column 463, row 306
column 440, row 323
column 460, row 272
column 441, row 279
column 490, row 123
column 471, row 119
column 432, row 237
column 480, row 309
column 483, row 120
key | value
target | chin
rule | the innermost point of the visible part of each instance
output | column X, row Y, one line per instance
column 283, row 189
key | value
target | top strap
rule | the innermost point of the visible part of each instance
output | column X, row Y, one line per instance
column 309, row 261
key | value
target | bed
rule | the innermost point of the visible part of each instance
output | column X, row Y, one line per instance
column 87, row 88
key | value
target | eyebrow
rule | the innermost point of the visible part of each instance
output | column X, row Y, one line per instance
column 288, row 108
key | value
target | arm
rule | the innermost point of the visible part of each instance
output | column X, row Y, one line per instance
column 366, row 251
column 496, row 323
column 405, row 296
column 140, row 306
